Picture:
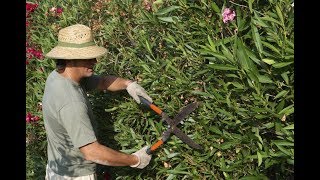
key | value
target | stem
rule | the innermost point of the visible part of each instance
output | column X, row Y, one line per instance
column 238, row 4
column 245, row 7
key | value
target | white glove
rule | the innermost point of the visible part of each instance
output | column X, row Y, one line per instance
column 135, row 89
column 143, row 158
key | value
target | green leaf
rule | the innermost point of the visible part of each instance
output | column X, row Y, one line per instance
column 279, row 13
column 111, row 109
column 203, row 94
column 259, row 158
column 215, row 7
column 166, row 19
column 268, row 18
column 285, row 77
column 189, row 47
column 282, row 64
column 215, row 129
column 212, row 46
column 269, row 125
column 253, row 77
column 282, row 143
column 256, row 38
column 268, row 61
column 260, row 23
column 222, row 67
column 201, row 72
column 252, row 56
column 285, row 151
column 242, row 55
column 289, row 127
column 264, row 79
column 148, row 47
column 224, row 112
column 166, row 10
column 244, row 60
column 270, row 46
column 145, row 67
column 258, row 135
column 280, row 94
column 133, row 134
column 158, row 2
column 291, row 44
column 260, row 116
column 280, row 106
column 237, row 85
column 251, row 177
column 178, row 172
column 228, row 145
column 250, row 5
column 288, row 110
column 171, row 155
column 218, row 55
column 171, row 176
column 290, row 161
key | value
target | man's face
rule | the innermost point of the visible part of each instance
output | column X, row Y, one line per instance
column 84, row 67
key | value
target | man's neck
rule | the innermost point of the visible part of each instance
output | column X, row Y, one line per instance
column 71, row 74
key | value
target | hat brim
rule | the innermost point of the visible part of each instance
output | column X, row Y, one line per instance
column 89, row 52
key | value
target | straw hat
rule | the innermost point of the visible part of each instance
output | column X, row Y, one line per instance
column 76, row 42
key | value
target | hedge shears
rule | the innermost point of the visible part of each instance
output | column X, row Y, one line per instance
column 172, row 125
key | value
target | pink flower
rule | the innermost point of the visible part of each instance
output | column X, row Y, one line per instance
column 56, row 11
column 31, row 52
column 38, row 54
column 35, row 118
column 228, row 15
column 30, row 7
column 31, row 118
column 28, row 117
column 59, row 11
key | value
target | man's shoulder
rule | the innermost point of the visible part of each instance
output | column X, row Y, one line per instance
column 52, row 77
column 59, row 88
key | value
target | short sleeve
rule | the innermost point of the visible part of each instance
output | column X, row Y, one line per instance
column 90, row 83
column 75, row 118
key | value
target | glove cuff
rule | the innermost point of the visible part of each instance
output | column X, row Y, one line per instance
column 138, row 163
column 130, row 84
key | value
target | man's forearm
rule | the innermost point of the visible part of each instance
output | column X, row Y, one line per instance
column 113, row 83
column 106, row 156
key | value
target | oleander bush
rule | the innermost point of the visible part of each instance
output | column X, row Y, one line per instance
column 235, row 57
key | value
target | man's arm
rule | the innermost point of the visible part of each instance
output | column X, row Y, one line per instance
column 113, row 83
column 101, row 154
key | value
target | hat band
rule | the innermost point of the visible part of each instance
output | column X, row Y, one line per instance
column 73, row 45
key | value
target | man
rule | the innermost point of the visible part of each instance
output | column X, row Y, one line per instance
column 73, row 149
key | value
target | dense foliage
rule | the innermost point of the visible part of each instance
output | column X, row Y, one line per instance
column 240, row 67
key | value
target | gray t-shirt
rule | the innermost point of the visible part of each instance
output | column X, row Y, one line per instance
column 69, row 123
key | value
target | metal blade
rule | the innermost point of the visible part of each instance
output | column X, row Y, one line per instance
column 168, row 120
column 166, row 135
column 184, row 112
column 184, row 138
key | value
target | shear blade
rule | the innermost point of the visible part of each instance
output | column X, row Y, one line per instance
column 184, row 138
column 184, row 112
